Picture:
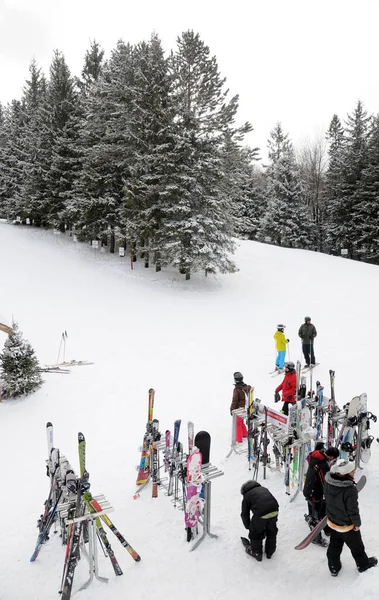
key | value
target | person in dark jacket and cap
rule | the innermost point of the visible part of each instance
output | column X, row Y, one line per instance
column 262, row 524
column 318, row 466
column 307, row 333
column 240, row 398
column 342, row 511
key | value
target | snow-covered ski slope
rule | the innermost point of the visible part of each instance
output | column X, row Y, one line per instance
column 144, row 329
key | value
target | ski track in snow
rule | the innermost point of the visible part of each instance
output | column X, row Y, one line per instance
column 145, row 329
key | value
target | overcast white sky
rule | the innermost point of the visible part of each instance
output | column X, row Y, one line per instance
column 294, row 61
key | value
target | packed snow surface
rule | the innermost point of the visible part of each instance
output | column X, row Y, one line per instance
column 185, row 339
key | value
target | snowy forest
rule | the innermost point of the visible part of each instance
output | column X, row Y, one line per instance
column 144, row 151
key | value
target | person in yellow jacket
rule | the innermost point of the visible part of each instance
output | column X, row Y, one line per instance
column 281, row 347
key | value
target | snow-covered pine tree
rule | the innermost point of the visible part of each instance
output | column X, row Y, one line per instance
column 198, row 233
column 19, row 366
column 242, row 187
column 366, row 211
column 342, row 218
column 92, row 68
column 148, row 189
column 336, row 139
column 286, row 221
column 91, row 72
column 12, row 159
column 106, row 147
column 62, row 110
column 33, row 94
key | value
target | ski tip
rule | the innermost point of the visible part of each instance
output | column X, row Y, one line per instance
column 49, row 424
column 81, row 437
column 151, row 390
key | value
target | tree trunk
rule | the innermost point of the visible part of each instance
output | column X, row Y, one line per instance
column 113, row 243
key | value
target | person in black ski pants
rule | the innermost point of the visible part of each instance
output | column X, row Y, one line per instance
column 265, row 508
column 318, row 466
column 342, row 510
column 307, row 333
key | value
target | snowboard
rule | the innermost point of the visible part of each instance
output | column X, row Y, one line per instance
column 194, row 503
column 203, row 443
column 320, row 526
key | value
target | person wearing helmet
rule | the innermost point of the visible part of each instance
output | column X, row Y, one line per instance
column 287, row 387
column 239, row 400
column 307, row 333
column 281, row 346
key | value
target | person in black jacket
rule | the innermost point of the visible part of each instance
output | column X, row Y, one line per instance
column 342, row 510
column 318, row 466
column 307, row 333
column 265, row 508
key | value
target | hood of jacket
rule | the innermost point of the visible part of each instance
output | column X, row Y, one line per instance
column 339, row 481
column 249, row 485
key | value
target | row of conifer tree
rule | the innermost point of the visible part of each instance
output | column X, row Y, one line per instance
column 144, row 150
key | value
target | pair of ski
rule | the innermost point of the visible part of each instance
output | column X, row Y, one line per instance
column 48, row 518
column 320, row 526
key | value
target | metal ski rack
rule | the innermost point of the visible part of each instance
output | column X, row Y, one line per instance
column 238, row 412
column 210, row 472
column 90, row 517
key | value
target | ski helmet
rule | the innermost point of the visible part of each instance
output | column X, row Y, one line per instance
column 280, row 326
column 238, row 377
column 307, row 319
column 290, row 366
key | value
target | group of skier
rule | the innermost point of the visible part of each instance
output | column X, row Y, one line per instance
column 329, row 486
column 307, row 333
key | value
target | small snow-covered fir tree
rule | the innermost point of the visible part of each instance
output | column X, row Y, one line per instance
column 19, row 365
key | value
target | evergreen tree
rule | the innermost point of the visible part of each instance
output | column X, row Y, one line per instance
column 366, row 212
column 198, row 234
column 20, row 368
column 93, row 66
column 12, row 159
column 354, row 160
column 286, row 220
column 107, row 146
column 336, row 140
column 148, row 191
column 33, row 96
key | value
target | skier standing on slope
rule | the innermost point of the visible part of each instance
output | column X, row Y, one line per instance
column 288, row 387
column 342, row 510
column 265, row 508
column 318, row 466
column 239, row 400
column 281, row 346
column 307, row 333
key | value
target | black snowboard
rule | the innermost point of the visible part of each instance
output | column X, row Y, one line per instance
column 203, row 443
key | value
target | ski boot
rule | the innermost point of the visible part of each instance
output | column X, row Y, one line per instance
column 254, row 554
column 372, row 562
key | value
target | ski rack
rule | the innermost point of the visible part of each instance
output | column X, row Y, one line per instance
column 210, row 473
column 242, row 413
column 90, row 517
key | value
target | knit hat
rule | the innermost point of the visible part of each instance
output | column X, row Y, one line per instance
column 343, row 467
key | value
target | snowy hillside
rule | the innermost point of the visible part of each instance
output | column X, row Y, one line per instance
column 144, row 329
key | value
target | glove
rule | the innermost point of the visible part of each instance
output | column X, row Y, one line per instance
column 288, row 341
column 277, row 396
